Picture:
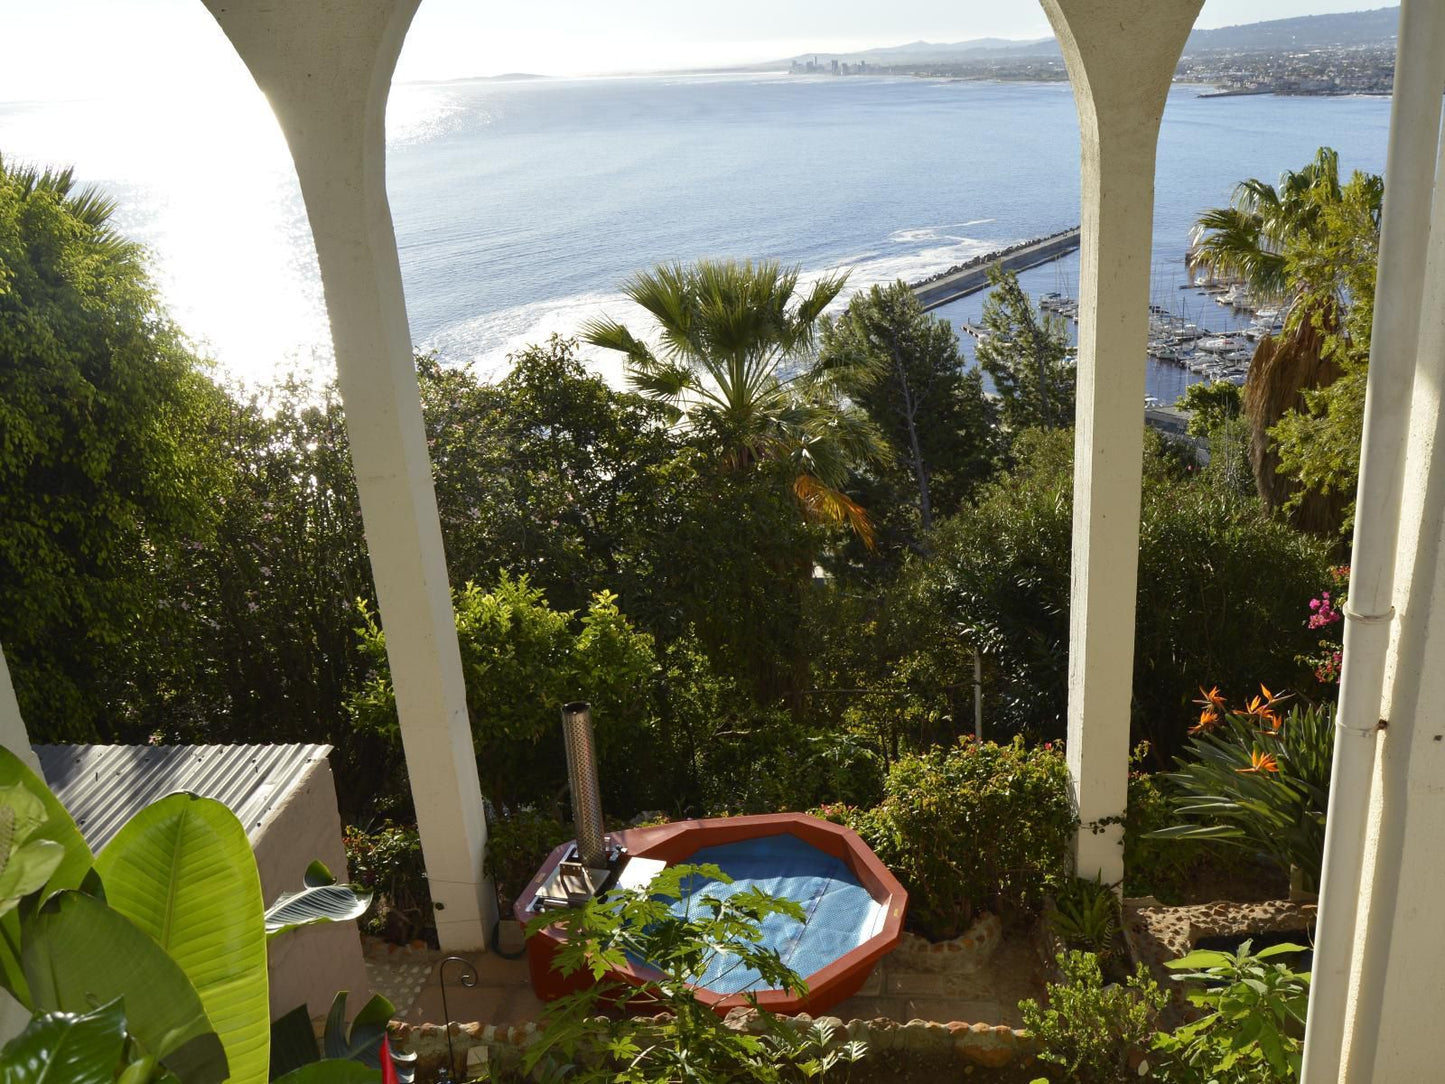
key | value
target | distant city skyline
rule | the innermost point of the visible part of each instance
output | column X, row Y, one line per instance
column 84, row 48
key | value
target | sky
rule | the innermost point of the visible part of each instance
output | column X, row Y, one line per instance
column 60, row 49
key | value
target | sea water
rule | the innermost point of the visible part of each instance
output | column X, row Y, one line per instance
column 521, row 206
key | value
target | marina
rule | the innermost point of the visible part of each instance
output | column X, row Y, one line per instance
column 1179, row 338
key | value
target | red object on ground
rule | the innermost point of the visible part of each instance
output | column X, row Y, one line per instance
column 673, row 844
column 388, row 1068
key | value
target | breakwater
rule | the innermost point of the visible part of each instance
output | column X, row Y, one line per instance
column 972, row 275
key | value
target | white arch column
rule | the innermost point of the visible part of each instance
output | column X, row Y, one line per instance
column 1121, row 56
column 326, row 66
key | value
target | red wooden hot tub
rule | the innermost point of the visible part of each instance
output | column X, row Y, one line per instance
column 855, row 905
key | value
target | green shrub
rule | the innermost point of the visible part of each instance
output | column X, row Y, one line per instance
column 1091, row 1030
column 1257, row 779
column 389, row 862
column 1086, row 917
column 1253, row 1033
column 975, row 826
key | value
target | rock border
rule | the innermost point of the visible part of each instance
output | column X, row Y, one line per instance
column 990, row 1046
column 968, row 952
column 1156, row 933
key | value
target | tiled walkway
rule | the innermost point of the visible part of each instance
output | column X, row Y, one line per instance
column 503, row 994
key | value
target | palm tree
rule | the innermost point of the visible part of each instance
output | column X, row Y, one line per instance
column 734, row 361
column 89, row 205
column 1257, row 240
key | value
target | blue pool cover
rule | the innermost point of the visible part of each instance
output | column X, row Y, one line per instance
column 841, row 914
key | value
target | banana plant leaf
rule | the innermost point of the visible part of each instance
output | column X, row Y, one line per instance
column 320, row 900
column 55, row 827
column 67, row 1048
column 26, row 864
column 77, row 953
column 182, row 870
column 332, row 1072
column 367, row 1030
column 293, row 1042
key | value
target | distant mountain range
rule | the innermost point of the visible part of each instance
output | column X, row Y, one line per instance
column 1376, row 27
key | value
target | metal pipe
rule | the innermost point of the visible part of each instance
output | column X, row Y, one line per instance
column 1369, row 615
column 582, row 778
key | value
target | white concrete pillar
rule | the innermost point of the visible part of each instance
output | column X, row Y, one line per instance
column 1121, row 56
column 326, row 66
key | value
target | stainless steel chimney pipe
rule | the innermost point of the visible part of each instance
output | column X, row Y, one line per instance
column 582, row 777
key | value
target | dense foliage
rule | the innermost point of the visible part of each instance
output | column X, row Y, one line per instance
column 106, row 470
column 770, row 562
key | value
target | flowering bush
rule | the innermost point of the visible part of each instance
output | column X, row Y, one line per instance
column 1327, row 616
column 388, row 861
column 1256, row 778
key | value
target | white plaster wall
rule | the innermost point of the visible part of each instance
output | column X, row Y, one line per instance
column 13, row 736
column 308, row 965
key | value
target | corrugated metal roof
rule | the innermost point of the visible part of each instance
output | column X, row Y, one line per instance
column 103, row 786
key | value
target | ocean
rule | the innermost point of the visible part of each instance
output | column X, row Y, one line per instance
column 520, row 206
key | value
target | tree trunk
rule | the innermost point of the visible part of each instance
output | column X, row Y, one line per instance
column 920, row 471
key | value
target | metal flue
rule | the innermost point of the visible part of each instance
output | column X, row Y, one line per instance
column 582, row 777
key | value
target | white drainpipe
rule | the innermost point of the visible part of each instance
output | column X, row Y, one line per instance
column 1409, row 180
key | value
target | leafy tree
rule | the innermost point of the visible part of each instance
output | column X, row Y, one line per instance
column 733, row 364
column 1026, row 354
column 1319, row 444
column 548, row 473
column 1217, row 417
column 1286, row 243
column 1210, row 404
column 106, row 467
column 911, row 382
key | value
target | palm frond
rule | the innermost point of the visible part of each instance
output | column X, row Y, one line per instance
column 828, row 505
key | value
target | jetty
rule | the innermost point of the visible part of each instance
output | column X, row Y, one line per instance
column 972, row 276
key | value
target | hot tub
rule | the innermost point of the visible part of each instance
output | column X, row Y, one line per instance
column 854, row 906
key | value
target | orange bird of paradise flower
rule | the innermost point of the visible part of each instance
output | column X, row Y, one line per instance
column 1213, row 700
column 1260, row 762
column 1208, row 720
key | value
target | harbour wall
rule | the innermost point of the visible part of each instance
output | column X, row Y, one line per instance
column 972, row 277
